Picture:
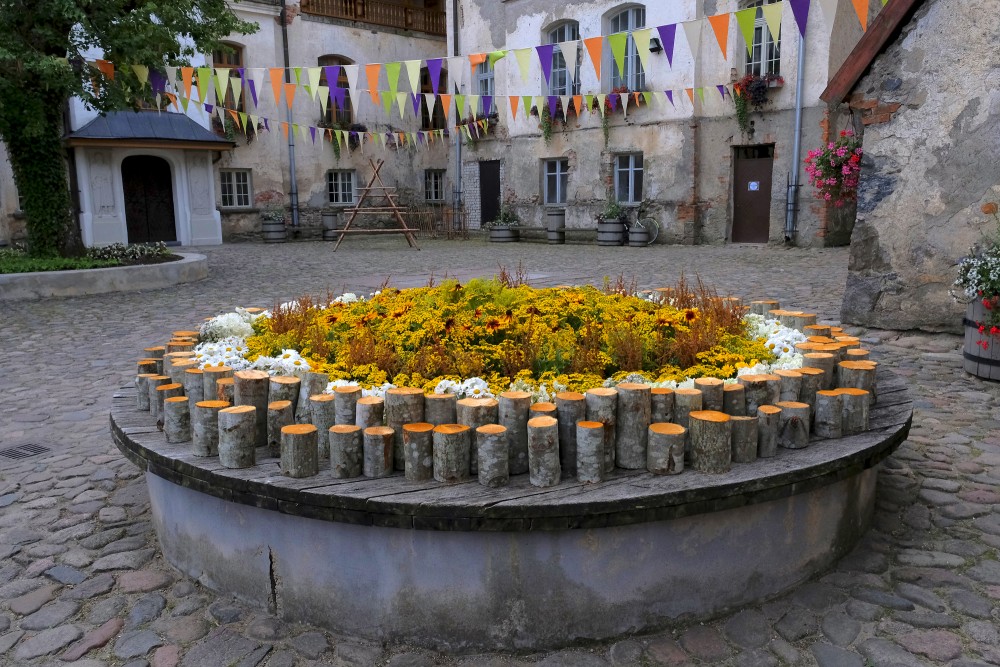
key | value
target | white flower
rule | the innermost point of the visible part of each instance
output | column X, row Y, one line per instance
column 474, row 388
column 447, row 387
column 349, row 297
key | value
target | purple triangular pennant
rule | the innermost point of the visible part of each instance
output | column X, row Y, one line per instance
column 208, row 108
column 253, row 91
column 267, row 125
column 670, row 96
column 722, row 90
column 553, row 105
column 613, row 101
column 434, row 70
column 158, row 82
column 332, row 73
column 312, row 133
column 415, row 101
column 487, row 104
column 545, row 58
column 800, row 8
column 668, row 35
column 339, row 96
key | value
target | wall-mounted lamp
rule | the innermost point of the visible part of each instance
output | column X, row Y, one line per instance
column 654, row 45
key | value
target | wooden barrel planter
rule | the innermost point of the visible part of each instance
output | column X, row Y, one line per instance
column 504, row 234
column 273, row 231
column 983, row 363
column 610, row 232
column 555, row 225
column 331, row 223
column 638, row 237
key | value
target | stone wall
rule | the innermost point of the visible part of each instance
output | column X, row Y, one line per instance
column 930, row 108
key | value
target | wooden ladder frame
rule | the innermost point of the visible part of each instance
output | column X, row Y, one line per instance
column 393, row 206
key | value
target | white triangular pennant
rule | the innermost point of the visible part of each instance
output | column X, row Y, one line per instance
column 413, row 72
column 692, row 30
column 571, row 54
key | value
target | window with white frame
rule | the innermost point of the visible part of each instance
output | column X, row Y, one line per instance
column 632, row 75
column 560, row 82
column 764, row 56
column 556, row 179
column 434, row 184
column 484, row 79
column 628, row 178
column 340, row 186
column 235, row 188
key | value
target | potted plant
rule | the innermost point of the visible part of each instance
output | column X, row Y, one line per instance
column 611, row 223
column 751, row 92
column 836, row 168
column 504, row 229
column 271, row 207
column 978, row 286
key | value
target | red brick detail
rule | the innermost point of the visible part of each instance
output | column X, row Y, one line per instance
column 864, row 104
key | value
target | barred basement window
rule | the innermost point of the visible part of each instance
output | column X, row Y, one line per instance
column 235, row 188
column 340, row 187
column 434, row 184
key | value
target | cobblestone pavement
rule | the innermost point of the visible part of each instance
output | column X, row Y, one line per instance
column 82, row 581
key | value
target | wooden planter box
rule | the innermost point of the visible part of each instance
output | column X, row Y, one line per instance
column 982, row 363
column 504, row 234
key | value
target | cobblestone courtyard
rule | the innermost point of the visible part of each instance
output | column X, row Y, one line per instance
column 82, row 581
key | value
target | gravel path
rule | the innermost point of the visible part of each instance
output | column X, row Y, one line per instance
column 82, row 581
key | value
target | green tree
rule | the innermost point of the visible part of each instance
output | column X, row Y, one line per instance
column 42, row 65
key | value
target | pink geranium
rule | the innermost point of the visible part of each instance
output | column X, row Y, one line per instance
column 836, row 169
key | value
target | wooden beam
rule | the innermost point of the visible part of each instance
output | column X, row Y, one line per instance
column 881, row 31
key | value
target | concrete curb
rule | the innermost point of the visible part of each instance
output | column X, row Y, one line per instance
column 18, row 286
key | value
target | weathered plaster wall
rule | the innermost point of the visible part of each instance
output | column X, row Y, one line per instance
column 928, row 167
column 11, row 222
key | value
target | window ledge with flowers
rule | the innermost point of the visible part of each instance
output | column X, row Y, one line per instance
column 978, row 286
column 751, row 93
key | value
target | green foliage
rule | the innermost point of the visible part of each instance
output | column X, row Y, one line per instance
column 17, row 260
column 612, row 210
column 25, row 264
column 545, row 119
column 506, row 217
column 42, row 65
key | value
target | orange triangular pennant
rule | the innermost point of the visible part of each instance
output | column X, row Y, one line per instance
column 284, row 129
column 290, row 89
column 446, row 105
column 578, row 104
column 720, row 24
column 371, row 73
column 276, row 74
column 690, row 92
column 595, row 47
column 861, row 9
column 187, row 76
column 513, row 107
column 475, row 60
column 107, row 68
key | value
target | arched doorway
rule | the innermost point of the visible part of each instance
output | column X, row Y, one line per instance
column 149, row 199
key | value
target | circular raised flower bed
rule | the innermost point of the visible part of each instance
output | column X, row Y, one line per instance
column 394, row 540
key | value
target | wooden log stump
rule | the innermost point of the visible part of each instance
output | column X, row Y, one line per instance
column 346, row 450
column 142, row 390
column 403, row 405
column 828, row 415
column 856, row 404
column 177, row 419
column 768, row 425
column 661, row 405
column 816, row 330
column 734, row 400
column 252, row 388
column 543, row 452
column 284, row 388
column 665, row 455
column 858, row 375
column 602, row 406
column 800, row 321
column 346, row 406
column 151, row 386
column 146, row 367
column 492, row 455
column 178, row 366
column 793, row 425
column 712, row 392
column 323, row 415
column 186, row 333
column 589, row 452
column 632, row 424
column 571, row 407
column 763, row 307
column 786, row 317
column 238, row 436
column 710, row 437
column 310, row 384
column 205, row 428
column 225, row 390
column 299, row 451
column 155, row 352
column 836, row 331
column 823, row 340
column 512, row 411
column 836, row 349
column 812, row 382
column 369, row 411
column 179, row 346
column 744, row 439
column 162, row 393
column 686, row 401
column 476, row 412
column 440, row 409
column 194, row 384
column 823, row 361
column 418, row 451
column 791, row 384
column 210, row 375
column 279, row 415
column 378, row 442
column 757, row 391
column 452, row 452
column 543, row 409
column 849, row 342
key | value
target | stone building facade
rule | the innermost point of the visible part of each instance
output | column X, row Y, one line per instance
column 930, row 109
column 694, row 156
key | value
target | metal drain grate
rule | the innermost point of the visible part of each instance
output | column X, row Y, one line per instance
column 23, row 451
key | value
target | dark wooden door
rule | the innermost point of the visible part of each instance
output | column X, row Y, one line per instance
column 752, row 193
column 489, row 190
column 149, row 199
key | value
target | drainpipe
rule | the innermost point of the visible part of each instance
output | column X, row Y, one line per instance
column 792, row 205
column 293, row 179
column 456, row 46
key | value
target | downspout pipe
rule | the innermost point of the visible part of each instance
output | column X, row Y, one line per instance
column 456, row 46
column 292, row 178
column 792, row 205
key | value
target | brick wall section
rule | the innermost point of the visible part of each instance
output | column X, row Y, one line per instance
column 873, row 112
